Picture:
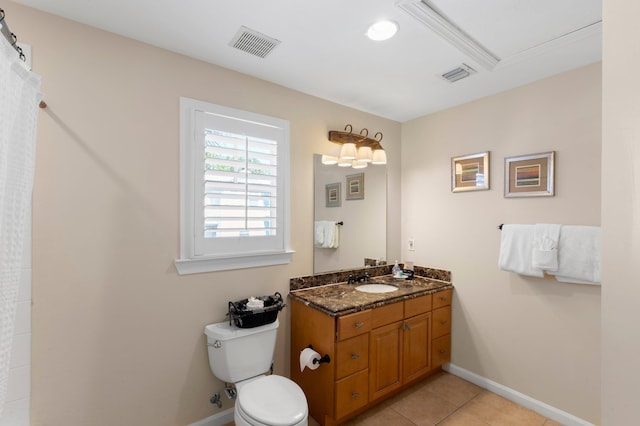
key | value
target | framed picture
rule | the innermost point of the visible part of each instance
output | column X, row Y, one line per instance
column 355, row 187
column 470, row 172
column 333, row 196
column 529, row 175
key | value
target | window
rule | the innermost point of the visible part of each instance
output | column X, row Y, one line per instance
column 234, row 189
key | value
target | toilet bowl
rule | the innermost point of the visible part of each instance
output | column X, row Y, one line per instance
column 270, row 400
column 242, row 356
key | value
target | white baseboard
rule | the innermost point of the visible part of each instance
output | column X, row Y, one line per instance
column 517, row 397
column 220, row 419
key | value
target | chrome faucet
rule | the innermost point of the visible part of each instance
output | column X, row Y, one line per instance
column 358, row 278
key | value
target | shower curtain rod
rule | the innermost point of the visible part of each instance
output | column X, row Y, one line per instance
column 6, row 32
column 13, row 40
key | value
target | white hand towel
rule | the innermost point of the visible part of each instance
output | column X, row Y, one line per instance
column 335, row 234
column 318, row 234
column 516, row 246
column 326, row 234
column 579, row 255
column 545, row 246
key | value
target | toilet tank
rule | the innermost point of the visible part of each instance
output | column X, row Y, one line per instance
column 236, row 353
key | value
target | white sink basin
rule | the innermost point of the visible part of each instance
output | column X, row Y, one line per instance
column 376, row 288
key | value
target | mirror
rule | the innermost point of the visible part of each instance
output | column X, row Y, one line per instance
column 360, row 205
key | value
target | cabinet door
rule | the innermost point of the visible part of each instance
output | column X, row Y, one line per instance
column 417, row 350
column 385, row 355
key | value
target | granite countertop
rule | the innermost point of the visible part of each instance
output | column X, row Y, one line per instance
column 342, row 298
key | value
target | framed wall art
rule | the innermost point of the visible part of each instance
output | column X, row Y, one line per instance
column 470, row 172
column 529, row 175
column 333, row 195
column 355, row 187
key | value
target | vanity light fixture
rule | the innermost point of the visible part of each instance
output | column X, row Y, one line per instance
column 357, row 150
column 382, row 30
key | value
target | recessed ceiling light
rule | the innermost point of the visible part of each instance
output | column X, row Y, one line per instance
column 382, row 30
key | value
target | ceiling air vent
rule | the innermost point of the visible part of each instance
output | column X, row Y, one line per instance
column 459, row 73
column 253, row 42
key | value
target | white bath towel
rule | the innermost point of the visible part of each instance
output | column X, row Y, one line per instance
column 579, row 255
column 545, row 246
column 516, row 247
column 326, row 234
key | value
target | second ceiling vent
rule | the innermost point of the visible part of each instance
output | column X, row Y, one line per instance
column 253, row 42
column 463, row 71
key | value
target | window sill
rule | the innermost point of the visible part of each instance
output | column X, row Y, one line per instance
column 213, row 264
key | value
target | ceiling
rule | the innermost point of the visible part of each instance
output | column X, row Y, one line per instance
column 323, row 50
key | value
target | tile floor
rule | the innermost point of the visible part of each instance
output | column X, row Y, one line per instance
column 447, row 400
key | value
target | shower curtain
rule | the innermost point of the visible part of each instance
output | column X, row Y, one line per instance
column 19, row 98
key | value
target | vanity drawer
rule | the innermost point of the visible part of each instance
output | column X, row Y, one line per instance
column 440, row 351
column 352, row 393
column 441, row 298
column 441, row 324
column 354, row 324
column 387, row 314
column 417, row 306
column 352, row 355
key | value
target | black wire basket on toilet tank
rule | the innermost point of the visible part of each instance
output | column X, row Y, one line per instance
column 246, row 317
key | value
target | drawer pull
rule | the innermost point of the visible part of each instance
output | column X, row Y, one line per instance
column 443, row 322
column 443, row 298
column 355, row 356
column 354, row 394
column 442, row 351
column 359, row 324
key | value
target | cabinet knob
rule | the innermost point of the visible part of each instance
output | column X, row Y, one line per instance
column 443, row 298
column 443, row 322
column 354, row 394
column 359, row 324
column 355, row 356
column 442, row 351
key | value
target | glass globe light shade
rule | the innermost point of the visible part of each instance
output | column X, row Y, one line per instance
column 379, row 157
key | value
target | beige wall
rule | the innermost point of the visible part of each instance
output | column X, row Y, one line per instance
column 536, row 336
column 620, row 214
column 117, row 334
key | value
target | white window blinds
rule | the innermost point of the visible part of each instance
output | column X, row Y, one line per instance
column 240, row 185
column 235, row 185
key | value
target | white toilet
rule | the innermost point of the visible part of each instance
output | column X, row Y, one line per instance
column 242, row 356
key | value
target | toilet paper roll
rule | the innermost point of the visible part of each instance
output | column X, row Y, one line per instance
column 307, row 355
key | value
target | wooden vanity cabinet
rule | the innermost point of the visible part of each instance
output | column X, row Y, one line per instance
column 374, row 353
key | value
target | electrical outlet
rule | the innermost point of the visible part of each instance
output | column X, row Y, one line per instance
column 412, row 244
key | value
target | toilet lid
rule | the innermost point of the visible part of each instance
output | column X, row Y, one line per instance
column 273, row 400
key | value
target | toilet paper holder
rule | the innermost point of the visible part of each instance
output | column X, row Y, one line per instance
column 325, row 358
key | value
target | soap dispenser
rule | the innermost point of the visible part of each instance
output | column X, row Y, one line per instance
column 396, row 269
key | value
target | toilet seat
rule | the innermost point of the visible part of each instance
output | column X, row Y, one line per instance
column 272, row 400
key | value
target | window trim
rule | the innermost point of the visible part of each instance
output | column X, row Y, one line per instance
column 189, row 263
